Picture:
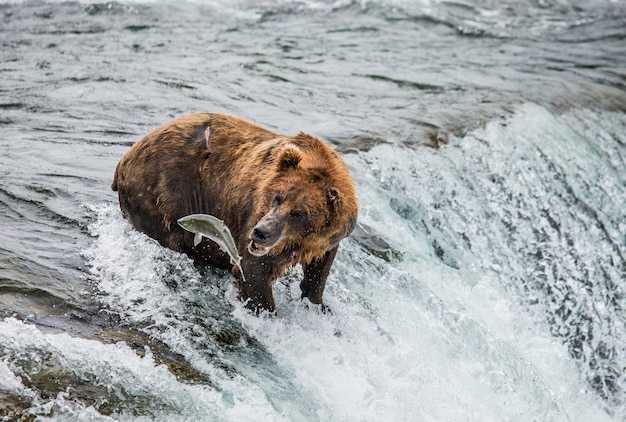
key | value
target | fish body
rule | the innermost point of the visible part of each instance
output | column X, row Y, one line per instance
column 211, row 227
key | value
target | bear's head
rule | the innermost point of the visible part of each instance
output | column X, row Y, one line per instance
column 310, row 201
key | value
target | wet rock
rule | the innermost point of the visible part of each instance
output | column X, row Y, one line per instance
column 374, row 244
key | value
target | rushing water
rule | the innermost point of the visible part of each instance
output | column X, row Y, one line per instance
column 486, row 281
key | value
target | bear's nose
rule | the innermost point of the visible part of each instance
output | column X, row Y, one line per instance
column 261, row 233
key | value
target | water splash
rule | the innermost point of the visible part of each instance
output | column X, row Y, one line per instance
column 532, row 205
column 119, row 380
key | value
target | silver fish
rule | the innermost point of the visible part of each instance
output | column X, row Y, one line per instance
column 205, row 225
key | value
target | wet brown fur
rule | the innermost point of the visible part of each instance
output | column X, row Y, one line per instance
column 225, row 166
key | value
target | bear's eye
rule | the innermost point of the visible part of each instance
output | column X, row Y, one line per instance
column 277, row 200
column 297, row 215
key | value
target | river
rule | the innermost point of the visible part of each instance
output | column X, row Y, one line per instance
column 487, row 278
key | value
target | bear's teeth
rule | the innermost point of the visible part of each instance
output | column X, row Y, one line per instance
column 257, row 250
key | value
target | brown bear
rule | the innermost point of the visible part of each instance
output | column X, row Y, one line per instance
column 285, row 199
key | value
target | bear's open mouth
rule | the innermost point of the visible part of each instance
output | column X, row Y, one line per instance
column 257, row 250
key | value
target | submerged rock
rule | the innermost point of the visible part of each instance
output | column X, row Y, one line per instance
column 374, row 244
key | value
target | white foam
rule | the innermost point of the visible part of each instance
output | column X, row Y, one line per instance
column 115, row 367
column 132, row 273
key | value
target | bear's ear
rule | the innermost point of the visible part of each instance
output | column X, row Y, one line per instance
column 289, row 159
column 333, row 197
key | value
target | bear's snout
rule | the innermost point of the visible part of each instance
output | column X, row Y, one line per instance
column 267, row 233
column 260, row 240
column 261, row 233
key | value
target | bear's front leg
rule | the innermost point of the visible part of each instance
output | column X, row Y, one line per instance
column 256, row 289
column 315, row 274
